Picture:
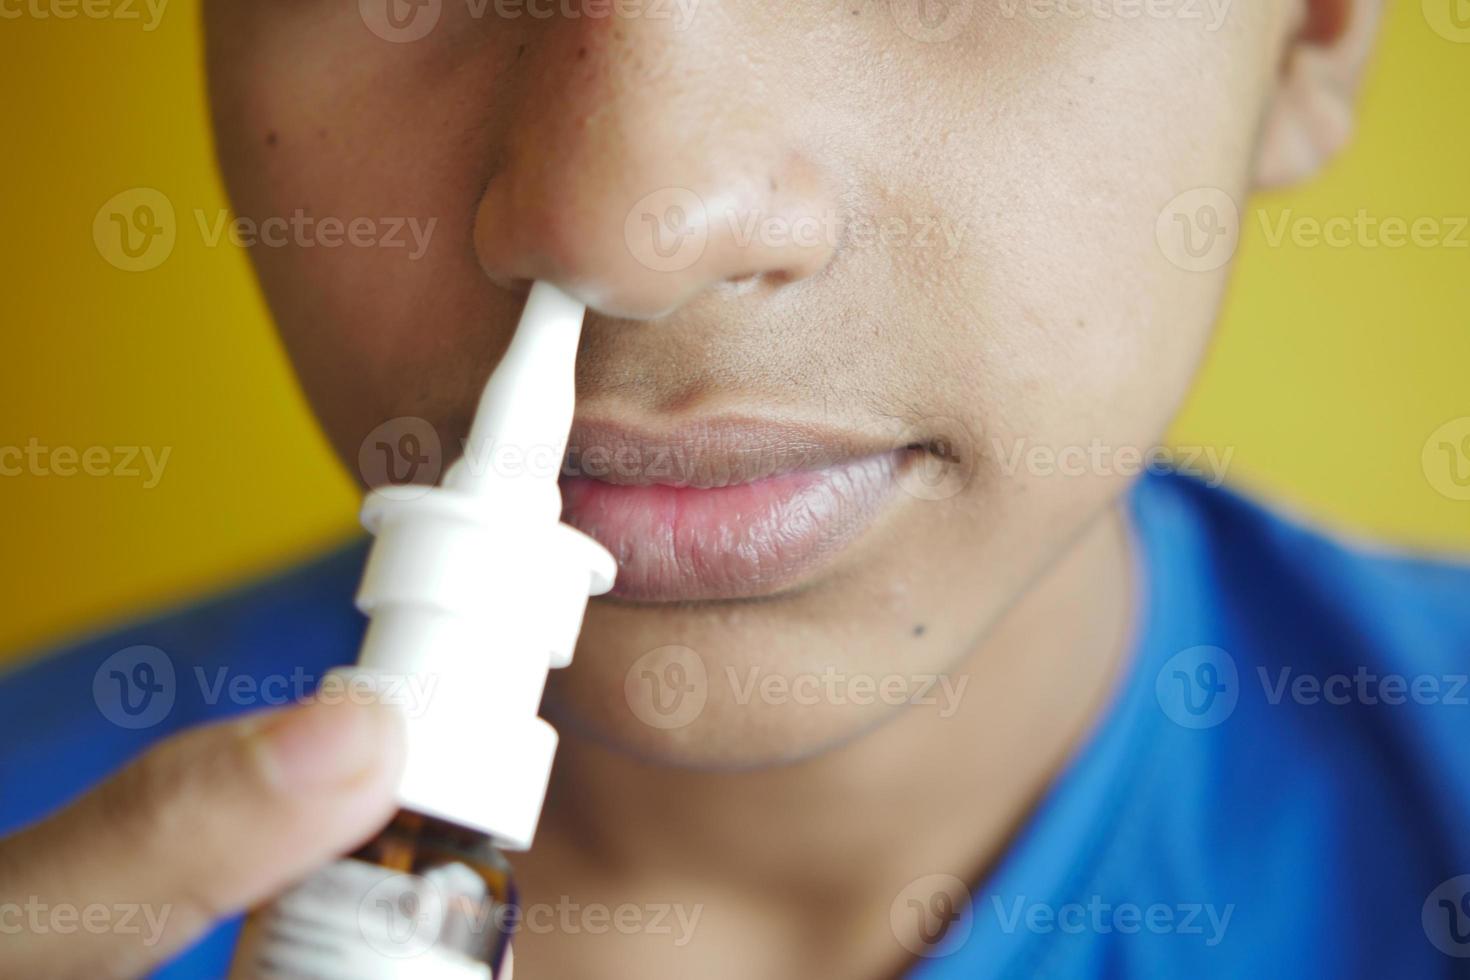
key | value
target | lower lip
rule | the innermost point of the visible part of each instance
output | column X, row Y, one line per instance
column 753, row 539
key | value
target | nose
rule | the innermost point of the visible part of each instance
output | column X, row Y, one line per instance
column 636, row 176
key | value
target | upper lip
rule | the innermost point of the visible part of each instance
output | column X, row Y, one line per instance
column 709, row 453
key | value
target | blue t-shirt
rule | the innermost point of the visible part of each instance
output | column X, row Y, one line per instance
column 1279, row 788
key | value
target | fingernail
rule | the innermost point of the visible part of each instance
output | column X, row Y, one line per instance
column 325, row 744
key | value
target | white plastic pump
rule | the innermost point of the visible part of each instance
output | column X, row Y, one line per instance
column 476, row 589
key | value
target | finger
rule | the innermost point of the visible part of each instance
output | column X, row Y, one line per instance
column 207, row 823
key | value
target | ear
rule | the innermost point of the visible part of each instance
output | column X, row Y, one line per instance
column 1311, row 117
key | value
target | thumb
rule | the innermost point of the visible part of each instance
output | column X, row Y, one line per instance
column 207, row 823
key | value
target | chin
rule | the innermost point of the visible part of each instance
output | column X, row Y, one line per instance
column 685, row 701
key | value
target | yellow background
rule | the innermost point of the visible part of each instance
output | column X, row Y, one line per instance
column 1332, row 369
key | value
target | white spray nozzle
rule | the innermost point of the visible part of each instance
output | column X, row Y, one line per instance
column 476, row 590
column 525, row 413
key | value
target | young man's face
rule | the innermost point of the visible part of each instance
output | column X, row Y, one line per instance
column 884, row 249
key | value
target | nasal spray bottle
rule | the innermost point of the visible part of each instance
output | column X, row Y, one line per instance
column 477, row 589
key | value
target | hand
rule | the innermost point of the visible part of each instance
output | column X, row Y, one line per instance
column 207, row 823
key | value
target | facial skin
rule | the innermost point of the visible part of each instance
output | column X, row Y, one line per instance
column 1045, row 148
column 1043, row 307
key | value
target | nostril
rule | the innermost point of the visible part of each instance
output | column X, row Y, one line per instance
column 786, row 276
column 519, row 286
column 741, row 285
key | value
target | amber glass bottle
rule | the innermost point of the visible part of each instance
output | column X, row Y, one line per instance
column 425, row 898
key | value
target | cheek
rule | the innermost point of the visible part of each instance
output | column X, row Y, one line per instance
column 320, row 126
column 1100, row 176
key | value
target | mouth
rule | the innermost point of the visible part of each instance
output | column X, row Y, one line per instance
column 731, row 509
